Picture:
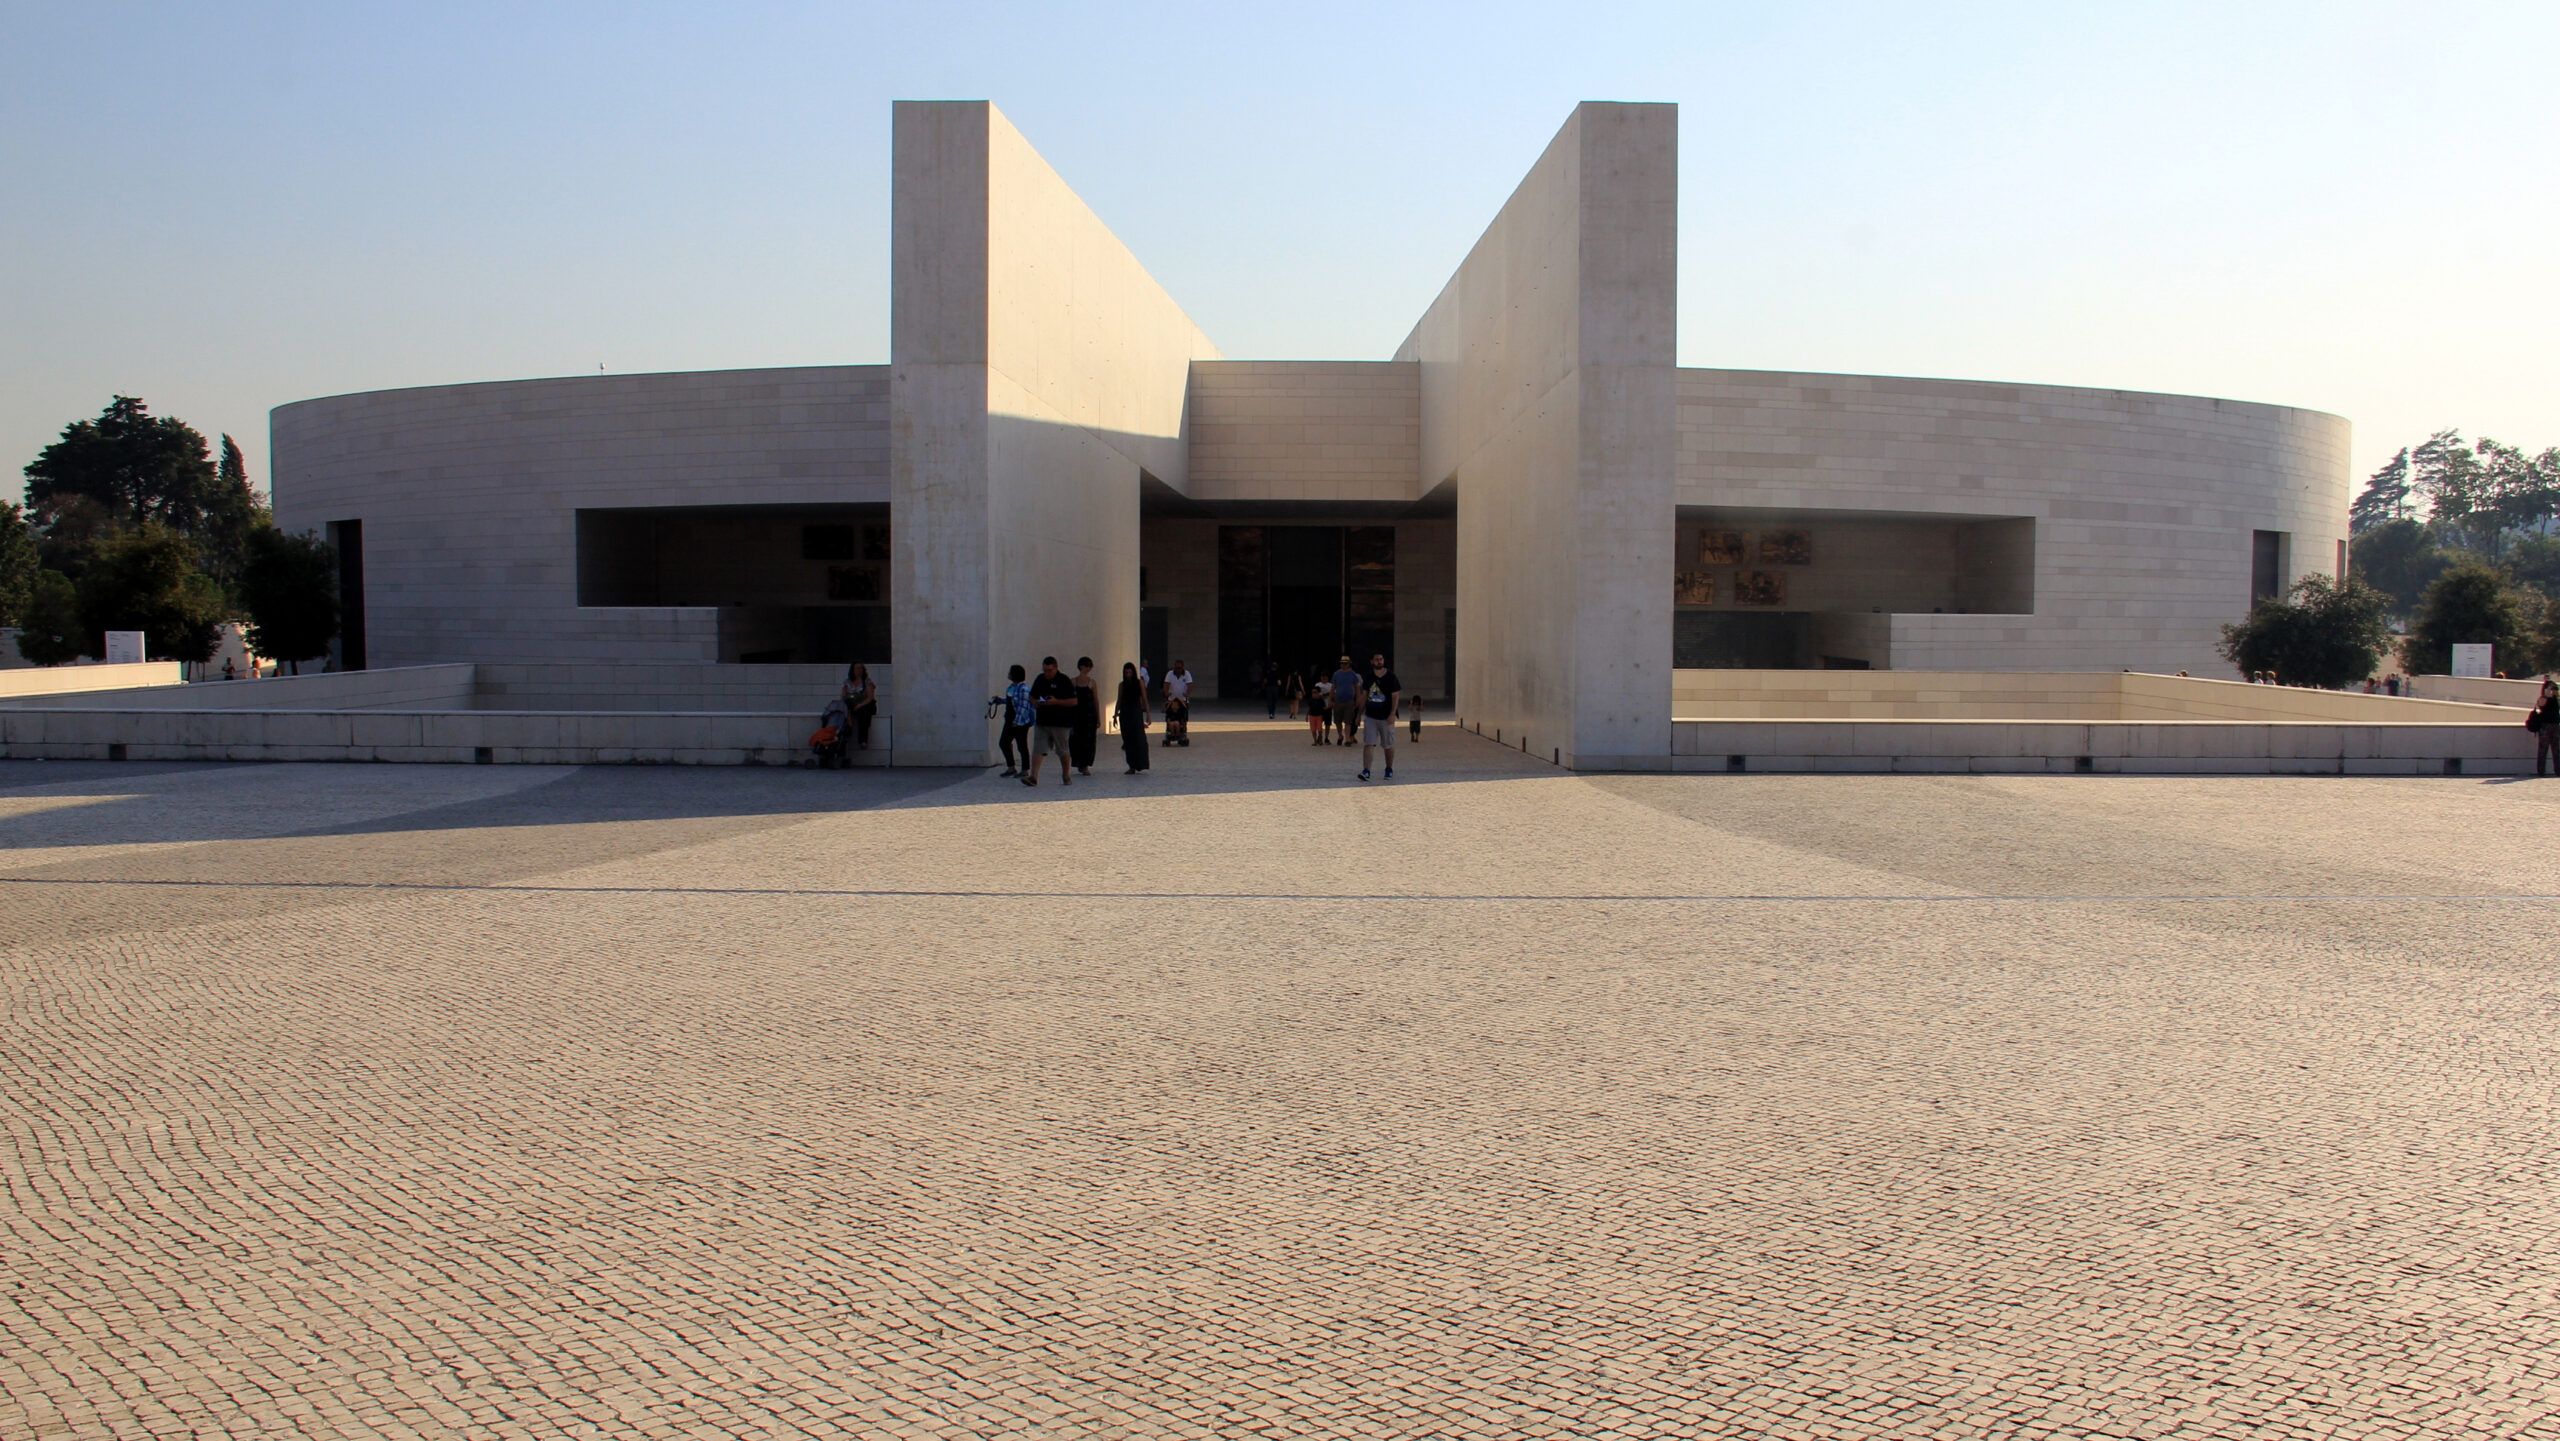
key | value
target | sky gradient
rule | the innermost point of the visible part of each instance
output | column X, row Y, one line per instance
column 227, row 208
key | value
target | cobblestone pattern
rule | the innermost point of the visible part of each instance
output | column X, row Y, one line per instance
column 1247, row 1101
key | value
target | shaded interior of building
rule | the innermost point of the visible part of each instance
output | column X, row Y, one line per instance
column 791, row 583
column 1236, row 590
column 1780, row 590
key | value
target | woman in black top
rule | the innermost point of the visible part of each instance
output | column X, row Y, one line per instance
column 862, row 701
column 1131, row 711
column 2546, row 735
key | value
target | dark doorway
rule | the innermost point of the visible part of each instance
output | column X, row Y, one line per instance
column 1302, row 596
column 1155, row 638
column 347, row 536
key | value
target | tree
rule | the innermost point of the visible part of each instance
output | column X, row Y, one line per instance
column 18, row 563
column 289, row 586
column 141, row 468
column 2546, row 639
column 2322, row 632
column 146, row 580
column 2398, row 558
column 2470, row 604
column 2385, row 497
column 51, row 632
column 233, row 512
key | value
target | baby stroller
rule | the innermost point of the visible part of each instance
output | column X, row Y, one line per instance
column 835, row 727
column 1177, row 722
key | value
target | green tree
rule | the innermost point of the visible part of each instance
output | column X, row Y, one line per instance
column 140, row 468
column 2399, row 558
column 18, row 563
column 52, row 632
column 2546, row 639
column 233, row 513
column 146, row 580
column 2535, row 561
column 2322, row 632
column 2471, row 604
column 2385, row 497
column 289, row 586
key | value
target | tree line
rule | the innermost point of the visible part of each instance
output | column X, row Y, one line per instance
column 2458, row 541
column 131, row 522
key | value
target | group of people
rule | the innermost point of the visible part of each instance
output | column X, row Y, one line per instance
column 1058, row 714
column 1338, row 704
column 1054, row 713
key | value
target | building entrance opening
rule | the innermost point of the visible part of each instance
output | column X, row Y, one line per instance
column 1302, row 597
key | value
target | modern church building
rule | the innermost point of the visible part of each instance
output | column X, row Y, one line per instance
column 1531, row 509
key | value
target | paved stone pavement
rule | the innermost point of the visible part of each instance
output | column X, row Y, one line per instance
column 1244, row 1100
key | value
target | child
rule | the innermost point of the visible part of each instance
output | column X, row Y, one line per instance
column 1413, row 707
column 1319, row 701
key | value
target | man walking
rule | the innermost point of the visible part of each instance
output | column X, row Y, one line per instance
column 1378, row 721
column 1054, row 696
column 1346, row 701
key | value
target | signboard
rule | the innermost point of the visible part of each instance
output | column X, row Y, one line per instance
column 124, row 647
column 2471, row 660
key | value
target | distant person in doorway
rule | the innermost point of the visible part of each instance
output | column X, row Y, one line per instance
column 1088, row 727
column 1297, row 693
column 1378, row 697
column 861, row 699
column 2544, row 718
column 1413, row 707
column 1270, row 689
column 1015, row 741
column 1130, row 709
column 1177, row 705
column 1346, row 702
column 1319, row 709
column 1053, row 728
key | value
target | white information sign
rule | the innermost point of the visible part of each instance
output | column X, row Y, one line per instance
column 2471, row 660
column 124, row 647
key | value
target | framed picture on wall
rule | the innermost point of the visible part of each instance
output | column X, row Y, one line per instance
column 1786, row 547
column 1693, row 587
column 853, row 582
column 1760, row 587
column 1720, row 547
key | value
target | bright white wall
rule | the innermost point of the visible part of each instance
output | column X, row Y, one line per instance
column 1548, row 395
column 469, row 494
column 1037, row 368
column 2143, row 504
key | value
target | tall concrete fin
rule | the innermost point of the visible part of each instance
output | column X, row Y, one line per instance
column 1549, row 395
column 1037, row 369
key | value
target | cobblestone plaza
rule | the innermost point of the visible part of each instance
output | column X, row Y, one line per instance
column 1242, row 1099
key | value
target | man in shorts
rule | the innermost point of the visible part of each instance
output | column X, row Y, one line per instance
column 1177, row 705
column 1346, row 702
column 1378, row 697
column 1053, row 697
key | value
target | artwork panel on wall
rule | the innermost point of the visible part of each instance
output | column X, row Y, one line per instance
column 1760, row 587
column 853, row 582
column 1720, row 547
column 1693, row 587
column 1786, row 547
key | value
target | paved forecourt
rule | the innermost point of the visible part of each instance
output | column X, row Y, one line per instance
column 1244, row 1099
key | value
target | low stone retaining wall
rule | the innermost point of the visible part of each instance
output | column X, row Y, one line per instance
column 644, row 715
column 2103, row 747
column 456, row 737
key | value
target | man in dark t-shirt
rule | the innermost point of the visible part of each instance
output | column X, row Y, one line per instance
column 1053, row 701
column 1378, row 697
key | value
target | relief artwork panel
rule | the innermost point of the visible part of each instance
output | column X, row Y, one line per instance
column 1786, row 547
column 1760, row 587
column 1720, row 547
column 1693, row 587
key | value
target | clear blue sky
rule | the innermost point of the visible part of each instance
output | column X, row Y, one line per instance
column 223, row 208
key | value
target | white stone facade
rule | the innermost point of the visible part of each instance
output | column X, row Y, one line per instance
column 1053, row 433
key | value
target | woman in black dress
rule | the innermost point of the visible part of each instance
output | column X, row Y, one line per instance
column 1088, row 726
column 1131, row 712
